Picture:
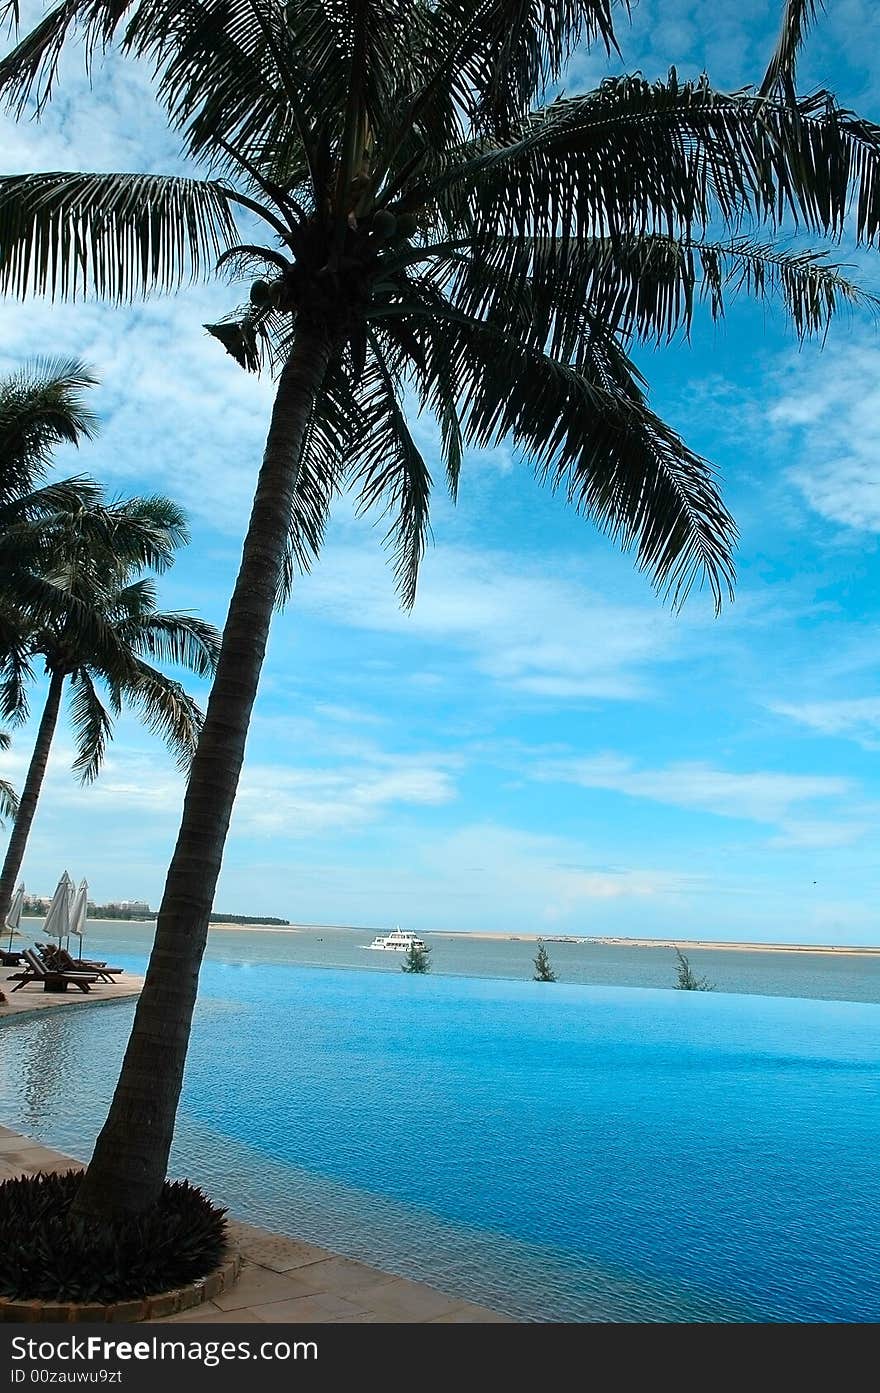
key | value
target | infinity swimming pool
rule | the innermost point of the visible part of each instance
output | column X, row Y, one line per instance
column 560, row 1152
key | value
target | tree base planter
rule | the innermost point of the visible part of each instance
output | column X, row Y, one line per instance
column 57, row 1265
column 167, row 1303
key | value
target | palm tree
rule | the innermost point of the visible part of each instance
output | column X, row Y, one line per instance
column 105, row 582
column 431, row 224
column 41, row 407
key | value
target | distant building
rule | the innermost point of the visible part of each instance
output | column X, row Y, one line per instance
column 128, row 906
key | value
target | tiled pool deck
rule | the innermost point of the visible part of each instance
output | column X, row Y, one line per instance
column 33, row 997
column 282, row 1280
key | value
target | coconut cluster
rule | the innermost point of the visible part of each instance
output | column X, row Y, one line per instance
column 333, row 288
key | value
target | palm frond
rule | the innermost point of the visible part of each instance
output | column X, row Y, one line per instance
column 92, row 726
column 499, row 56
column 148, row 531
column 553, row 290
column 8, row 802
column 30, row 70
column 116, row 236
column 38, row 603
column 16, row 670
column 181, row 639
column 389, row 472
column 330, row 436
column 229, row 82
column 134, row 602
column 798, row 18
column 41, row 406
column 166, row 709
column 673, row 158
column 588, row 431
column 63, row 496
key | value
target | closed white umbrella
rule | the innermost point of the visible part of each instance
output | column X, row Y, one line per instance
column 57, row 923
column 13, row 918
column 78, row 912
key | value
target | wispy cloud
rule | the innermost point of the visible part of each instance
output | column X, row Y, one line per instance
column 537, row 633
column 828, row 413
column 548, row 878
column 820, row 835
column 762, row 796
column 174, row 406
column 143, row 791
column 857, row 718
column 295, row 803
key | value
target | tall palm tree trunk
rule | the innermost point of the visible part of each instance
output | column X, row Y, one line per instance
column 129, row 1164
column 30, row 794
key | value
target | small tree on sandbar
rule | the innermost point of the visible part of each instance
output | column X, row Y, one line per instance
column 543, row 967
column 417, row 959
column 688, row 981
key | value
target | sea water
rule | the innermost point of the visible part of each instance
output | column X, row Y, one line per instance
column 841, row 976
column 558, row 1151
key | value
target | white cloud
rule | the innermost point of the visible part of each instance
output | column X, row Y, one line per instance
column 821, row 835
column 348, row 715
column 857, row 718
column 294, row 803
column 131, row 780
column 546, row 878
column 764, row 796
column 541, row 634
column 828, row 414
column 281, row 799
column 108, row 121
column 175, row 409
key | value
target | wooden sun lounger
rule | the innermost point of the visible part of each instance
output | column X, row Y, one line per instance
column 60, row 960
column 53, row 981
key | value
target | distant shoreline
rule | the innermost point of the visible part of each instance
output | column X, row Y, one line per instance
column 712, row 944
column 582, row 940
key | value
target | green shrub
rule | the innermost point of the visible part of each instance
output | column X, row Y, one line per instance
column 688, row 981
column 48, row 1254
column 416, row 959
column 543, row 967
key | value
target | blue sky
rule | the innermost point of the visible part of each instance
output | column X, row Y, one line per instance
column 540, row 745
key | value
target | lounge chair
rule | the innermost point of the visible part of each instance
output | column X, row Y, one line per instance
column 10, row 959
column 59, row 959
column 36, row 970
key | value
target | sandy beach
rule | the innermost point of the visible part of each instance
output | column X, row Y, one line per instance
column 582, row 939
column 734, row 947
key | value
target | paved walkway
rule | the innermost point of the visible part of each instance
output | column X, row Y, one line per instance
column 34, row 997
column 282, row 1279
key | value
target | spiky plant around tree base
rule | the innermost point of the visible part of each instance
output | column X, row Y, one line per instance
column 48, row 1254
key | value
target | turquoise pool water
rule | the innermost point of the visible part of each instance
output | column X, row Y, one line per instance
column 562, row 1152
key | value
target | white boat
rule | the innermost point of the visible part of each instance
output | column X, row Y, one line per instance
column 399, row 941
